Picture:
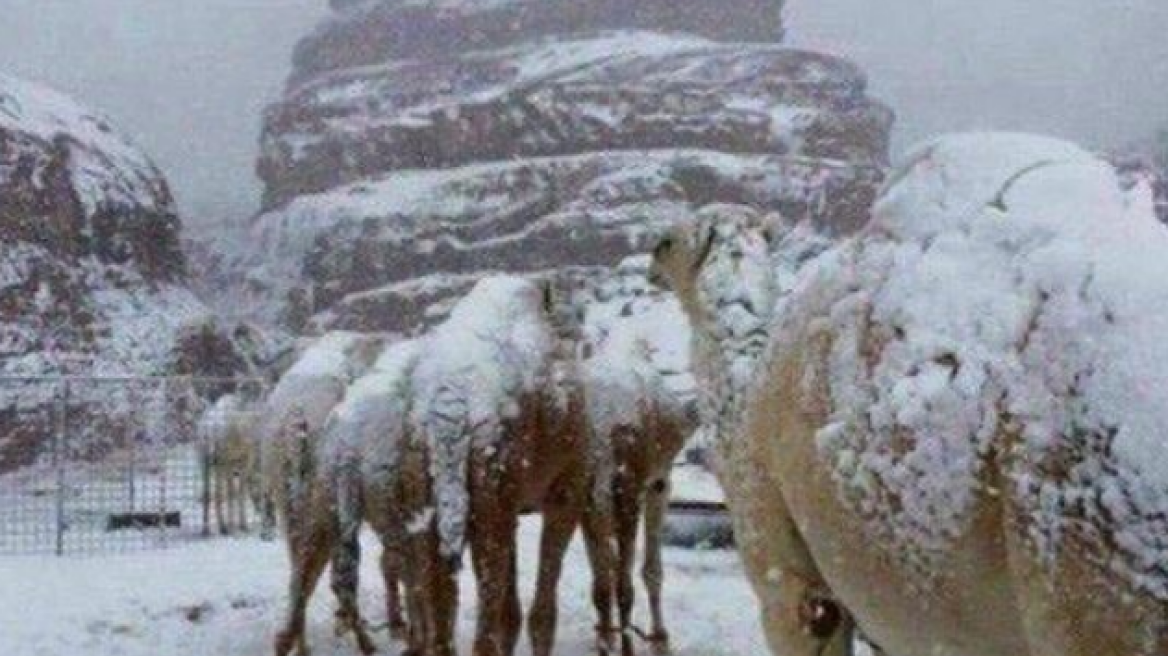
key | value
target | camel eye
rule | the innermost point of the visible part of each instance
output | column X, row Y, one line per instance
column 820, row 617
column 664, row 246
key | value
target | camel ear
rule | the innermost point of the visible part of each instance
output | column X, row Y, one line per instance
column 707, row 233
column 773, row 226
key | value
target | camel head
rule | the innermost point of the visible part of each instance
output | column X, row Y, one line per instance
column 719, row 260
column 720, row 266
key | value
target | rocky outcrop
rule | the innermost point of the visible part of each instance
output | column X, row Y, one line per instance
column 422, row 143
column 92, row 276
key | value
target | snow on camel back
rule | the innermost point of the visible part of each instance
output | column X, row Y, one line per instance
column 638, row 355
column 366, row 429
column 297, row 408
column 1009, row 297
column 475, row 368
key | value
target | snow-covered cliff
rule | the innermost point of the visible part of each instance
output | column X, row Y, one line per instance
column 421, row 144
column 91, row 272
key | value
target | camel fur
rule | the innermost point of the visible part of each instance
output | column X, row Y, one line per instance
column 957, row 429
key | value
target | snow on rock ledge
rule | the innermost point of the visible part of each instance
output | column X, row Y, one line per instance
column 365, row 32
column 1005, row 279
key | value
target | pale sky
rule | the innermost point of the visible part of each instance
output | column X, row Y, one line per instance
column 189, row 78
column 1094, row 71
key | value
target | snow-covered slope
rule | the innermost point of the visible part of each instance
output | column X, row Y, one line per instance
column 91, row 273
column 417, row 148
column 227, row 597
column 1009, row 288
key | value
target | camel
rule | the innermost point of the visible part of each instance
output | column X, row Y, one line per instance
column 720, row 267
column 638, row 426
column 361, row 453
column 290, row 432
column 226, row 435
column 954, row 433
column 496, row 429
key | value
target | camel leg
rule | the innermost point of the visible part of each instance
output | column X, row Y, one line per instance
column 420, row 578
column 598, row 543
column 652, row 572
column 431, row 589
column 444, row 584
column 232, row 508
column 239, row 496
column 232, row 519
column 220, row 493
column 560, row 522
column 627, row 519
column 493, row 552
column 415, row 634
column 419, row 596
column 346, row 570
column 778, row 563
column 309, row 558
column 391, row 572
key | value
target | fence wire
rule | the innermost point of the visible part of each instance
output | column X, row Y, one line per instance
column 97, row 465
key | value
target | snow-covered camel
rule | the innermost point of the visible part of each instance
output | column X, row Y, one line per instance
column 722, row 268
column 637, row 424
column 226, row 436
column 290, row 430
column 958, row 429
column 360, row 464
column 496, row 428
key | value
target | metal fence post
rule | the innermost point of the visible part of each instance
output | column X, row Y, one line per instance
column 164, row 479
column 59, row 443
column 132, row 473
column 205, row 454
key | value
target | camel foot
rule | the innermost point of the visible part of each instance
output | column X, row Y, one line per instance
column 605, row 644
column 365, row 644
column 398, row 629
column 285, row 641
column 659, row 642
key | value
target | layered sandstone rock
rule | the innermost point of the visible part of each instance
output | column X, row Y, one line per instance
column 423, row 143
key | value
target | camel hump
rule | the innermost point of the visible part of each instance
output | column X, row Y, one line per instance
column 1009, row 296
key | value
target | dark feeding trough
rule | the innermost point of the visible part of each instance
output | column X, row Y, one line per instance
column 698, row 517
column 698, row 525
column 143, row 520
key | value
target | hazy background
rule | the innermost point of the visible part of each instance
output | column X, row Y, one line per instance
column 1092, row 70
column 188, row 78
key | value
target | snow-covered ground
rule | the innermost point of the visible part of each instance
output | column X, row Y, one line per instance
column 225, row 598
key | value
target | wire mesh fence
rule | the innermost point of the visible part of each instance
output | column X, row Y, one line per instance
column 94, row 465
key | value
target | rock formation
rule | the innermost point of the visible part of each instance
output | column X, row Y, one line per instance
column 422, row 143
column 92, row 276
